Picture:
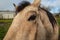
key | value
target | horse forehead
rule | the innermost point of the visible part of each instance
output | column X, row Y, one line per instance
column 30, row 8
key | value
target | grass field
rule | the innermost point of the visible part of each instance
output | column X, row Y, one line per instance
column 58, row 20
column 4, row 26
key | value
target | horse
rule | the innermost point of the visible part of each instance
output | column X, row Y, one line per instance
column 32, row 23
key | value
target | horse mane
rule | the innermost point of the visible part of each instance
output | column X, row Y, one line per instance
column 50, row 16
column 22, row 5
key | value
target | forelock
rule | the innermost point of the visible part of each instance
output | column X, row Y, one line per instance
column 22, row 5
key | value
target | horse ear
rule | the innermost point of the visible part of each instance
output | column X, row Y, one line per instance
column 36, row 2
column 14, row 5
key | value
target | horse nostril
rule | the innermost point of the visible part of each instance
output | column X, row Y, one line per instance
column 32, row 17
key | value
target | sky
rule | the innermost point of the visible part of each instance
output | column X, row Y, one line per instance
column 8, row 4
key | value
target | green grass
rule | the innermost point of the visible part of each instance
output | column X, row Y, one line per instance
column 58, row 20
column 3, row 30
column 6, row 21
column 4, row 26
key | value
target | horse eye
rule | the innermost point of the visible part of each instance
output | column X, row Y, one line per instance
column 32, row 17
